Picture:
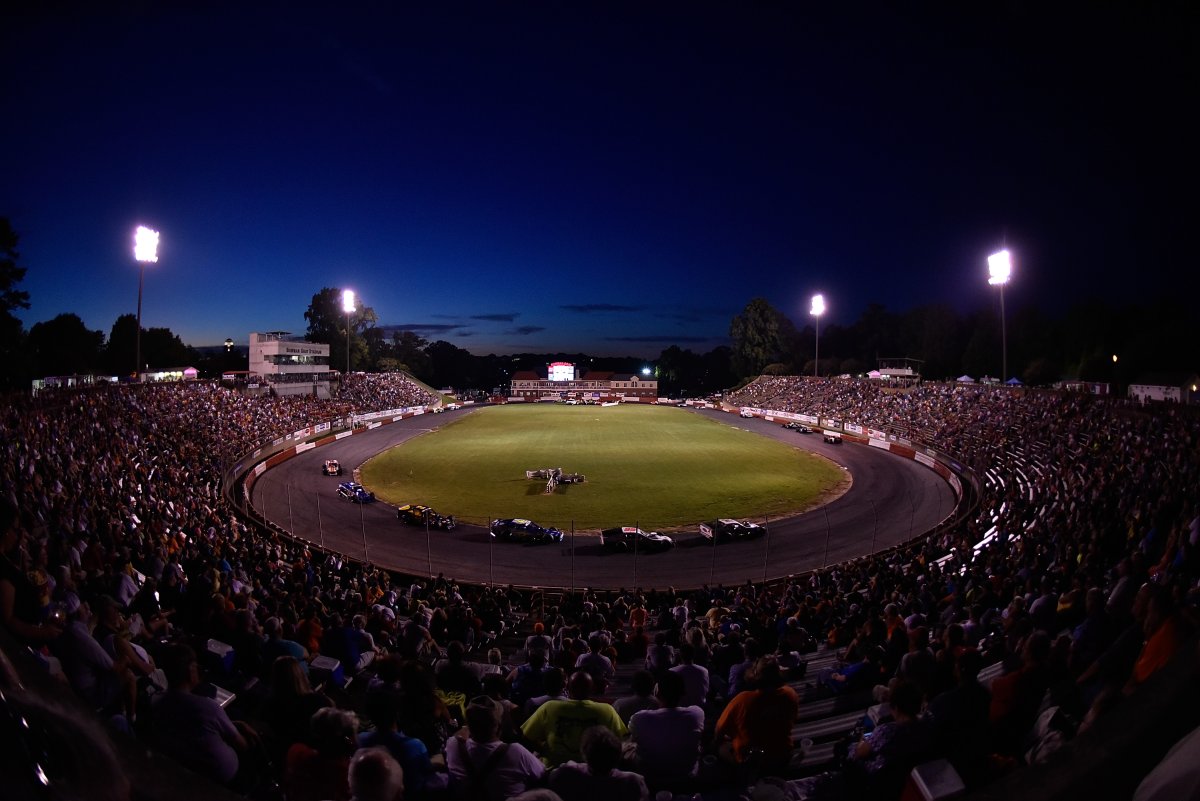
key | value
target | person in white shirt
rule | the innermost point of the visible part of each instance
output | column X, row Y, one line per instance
column 504, row 769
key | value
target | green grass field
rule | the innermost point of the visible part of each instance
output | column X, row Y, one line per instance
column 653, row 466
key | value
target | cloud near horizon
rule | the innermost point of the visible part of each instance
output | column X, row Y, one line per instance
column 503, row 317
column 525, row 330
column 589, row 308
column 673, row 339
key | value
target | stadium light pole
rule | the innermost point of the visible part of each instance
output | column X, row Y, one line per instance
column 348, row 307
column 816, row 310
column 999, row 271
column 145, row 250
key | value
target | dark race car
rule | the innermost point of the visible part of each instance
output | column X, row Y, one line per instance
column 799, row 427
column 628, row 538
column 414, row 514
column 332, row 467
column 518, row 529
column 728, row 530
column 354, row 492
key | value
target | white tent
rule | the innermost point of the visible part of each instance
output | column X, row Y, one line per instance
column 966, row 379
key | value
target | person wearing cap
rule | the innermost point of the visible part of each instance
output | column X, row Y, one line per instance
column 480, row 765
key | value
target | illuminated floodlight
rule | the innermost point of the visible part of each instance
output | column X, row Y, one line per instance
column 818, row 305
column 645, row 371
column 999, row 268
column 348, row 301
column 145, row 244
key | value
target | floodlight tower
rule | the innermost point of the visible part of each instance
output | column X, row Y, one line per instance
column 348, row 307
column 145, row 250
column 816, row 310
column 999, row 271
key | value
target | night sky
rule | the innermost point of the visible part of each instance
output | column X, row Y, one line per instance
column 606, row 178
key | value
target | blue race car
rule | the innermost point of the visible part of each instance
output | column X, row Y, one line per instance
column 518, row 529
column 354, row 492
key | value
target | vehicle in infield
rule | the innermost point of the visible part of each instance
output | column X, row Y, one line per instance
column 523, row 530
column 354, row 492
column 629, row 538
column 729, row 530
column 415, row 514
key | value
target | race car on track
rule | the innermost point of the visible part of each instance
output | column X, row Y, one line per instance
column 800, row 427
column 519, row 529
column 332, row 467
column 832, row 437
column 629, row 538
column 728, row 530
column 354, row 492
column 414, row 514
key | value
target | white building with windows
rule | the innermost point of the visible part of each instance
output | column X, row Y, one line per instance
column 563, row 384
column 290, row 365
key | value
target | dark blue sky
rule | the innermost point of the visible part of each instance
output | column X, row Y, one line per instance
column 610, row 178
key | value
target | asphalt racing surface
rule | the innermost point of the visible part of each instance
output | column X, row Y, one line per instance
column 891, row 500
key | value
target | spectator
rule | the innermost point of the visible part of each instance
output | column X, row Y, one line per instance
column 1016, row 696
column 598, row 779
column 557, row 727
column 453, row 674
column 528, row 680
column 320, row 772
column 374, row 775
column 555, row 683
column 695, row 677
column 483, row 766
column 195, row 730
column 599, row 666
column 410, row 753
column 642, row 683
column 667, row 739
column 289, row 706
column 539, row 641
column 660, row 657
column 757, row 724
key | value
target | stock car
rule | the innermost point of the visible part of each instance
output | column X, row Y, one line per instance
column 832, row 437
column 354, row 492
column 414, row 514
column 628, row 538
column 519, row 529
column 729, row 530
column 332, row 467
column 800, row 427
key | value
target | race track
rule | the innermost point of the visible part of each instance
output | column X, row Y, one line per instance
column 890, row 501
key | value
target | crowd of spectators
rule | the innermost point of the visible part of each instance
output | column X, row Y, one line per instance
column 122, row 562
column 379, row 391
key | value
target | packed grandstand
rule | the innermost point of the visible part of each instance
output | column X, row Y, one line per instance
column 1045, row 641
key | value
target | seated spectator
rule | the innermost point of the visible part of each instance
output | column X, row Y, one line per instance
column 102, row 682
column 528, row 680
column 21, row 607
column 496, row 688
column 195, row 730
column 277, row 645
column 422, row 713
column 861, row 675
column 320, row 771
column 667, row 739
column 642, row 683
column 599, row 666
column 660, row 657
column 454, row 675
column 893, row 749
column 289, row 706
column 695, row 677
column 1163, row 635
column 482, row 765
column 1016, row 696
column 555, row 684
column 419, row 776
column 375, row 775
column 757, row 724
column 556, row 728
column 958, row 720
column 539, row 641
column 737, row 673
column 597, row 778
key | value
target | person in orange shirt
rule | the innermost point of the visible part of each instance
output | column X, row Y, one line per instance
column 1162, row 637
column 757, row 724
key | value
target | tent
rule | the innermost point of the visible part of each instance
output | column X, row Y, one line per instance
column 1014, row 382
column 966, row 379
column 874, row 374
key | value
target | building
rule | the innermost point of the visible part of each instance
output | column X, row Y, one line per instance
column 563, row 383
column 290, row 366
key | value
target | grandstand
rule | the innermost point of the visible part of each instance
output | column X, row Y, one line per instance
column 1077, row 493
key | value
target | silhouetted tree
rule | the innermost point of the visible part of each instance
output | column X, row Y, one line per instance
column 11, row 330
column 65, row 346
column 757, row 335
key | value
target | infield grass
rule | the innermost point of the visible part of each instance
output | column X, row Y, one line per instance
column 653, row 466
